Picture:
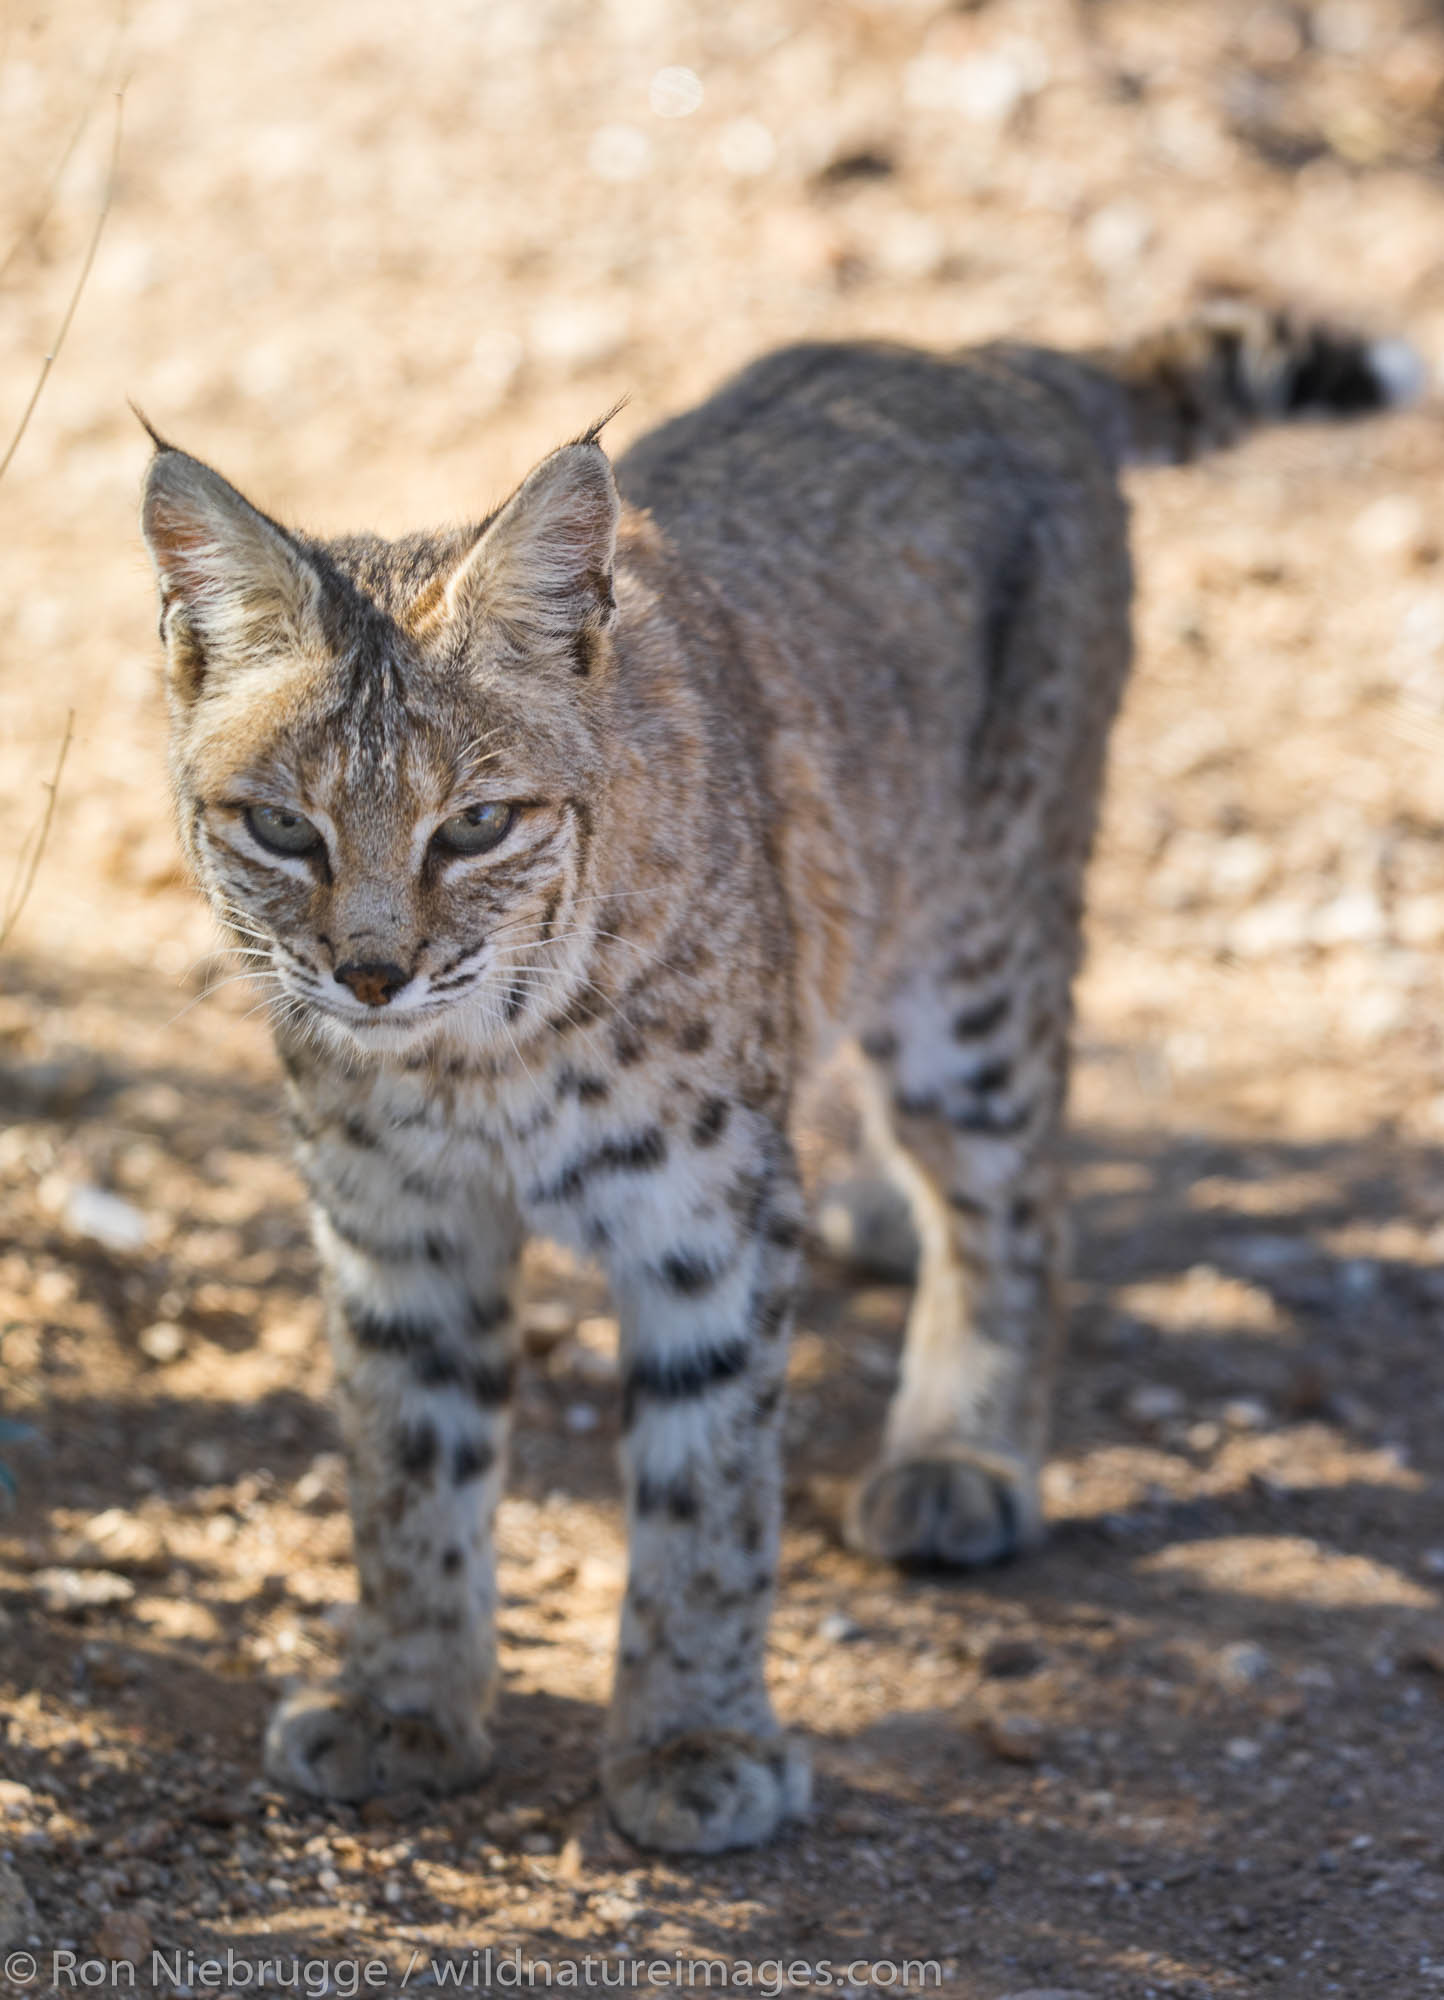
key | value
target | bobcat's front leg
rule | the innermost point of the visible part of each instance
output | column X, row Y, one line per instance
column 693, row 1760
column 420, row 1265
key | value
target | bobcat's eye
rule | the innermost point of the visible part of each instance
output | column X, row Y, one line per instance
column 476, row 829
column 283, row 832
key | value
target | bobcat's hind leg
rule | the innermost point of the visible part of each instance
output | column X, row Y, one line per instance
column 964, row 1105
column 421, row 1319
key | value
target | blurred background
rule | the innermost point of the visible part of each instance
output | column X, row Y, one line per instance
column 373, row 262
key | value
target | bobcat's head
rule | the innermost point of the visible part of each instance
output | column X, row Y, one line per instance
column 387, row 756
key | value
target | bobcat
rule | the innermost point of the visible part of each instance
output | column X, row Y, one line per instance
column 568, row 844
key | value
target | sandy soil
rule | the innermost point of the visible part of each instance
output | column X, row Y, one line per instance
column 373, row 261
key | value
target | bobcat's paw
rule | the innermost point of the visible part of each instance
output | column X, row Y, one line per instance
column 948, row 1511
column 336, row 1743
column 868, row 1225
column 710, row 1790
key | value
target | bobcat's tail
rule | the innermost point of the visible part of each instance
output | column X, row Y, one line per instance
column 1235, row 364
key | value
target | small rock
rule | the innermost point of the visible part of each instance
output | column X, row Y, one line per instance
column 1242, row 1750
column 18, row 1918
column 1116, row 236
column 205, row 1461
column 1265, row 1254
column 838, row 1629
column 1426, row 1654
column 105, row 1218
column 163, row 1342
column 592, row 1351
column 1244, row 1665
column 71, row 1592
column 1011, row 1659
column 321, row 1489
column 617, row 1910
column 545, row 1324
column 216, row 1809
column 593, row 1846
column 1246, row 1413
column 512, row 1822
column 117, row 1540
column 580, row 1418
column 1392, row 526
column 1307, row 1394
column 1017, row 1739
column 1153, row 1403
column 394, row 1808
column 125, row 1935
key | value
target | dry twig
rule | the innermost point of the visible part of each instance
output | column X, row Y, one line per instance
column 27, row 866
column 30, row 853
column 69, row 315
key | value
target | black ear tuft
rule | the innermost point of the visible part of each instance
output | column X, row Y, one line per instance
column 160, row 443
column 594, row 431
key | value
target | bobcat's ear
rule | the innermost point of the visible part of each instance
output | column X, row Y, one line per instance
column 542, row 570
column 235, row 589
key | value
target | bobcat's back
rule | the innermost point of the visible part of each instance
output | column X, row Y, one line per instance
column 920, row 566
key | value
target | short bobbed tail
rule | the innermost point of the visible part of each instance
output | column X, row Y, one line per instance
column 1238, row 363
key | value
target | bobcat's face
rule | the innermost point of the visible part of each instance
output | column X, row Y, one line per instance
column 385, row 755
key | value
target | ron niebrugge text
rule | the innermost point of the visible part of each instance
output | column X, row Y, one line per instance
column 186, row 1972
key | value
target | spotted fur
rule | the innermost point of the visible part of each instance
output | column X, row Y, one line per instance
column 801, row 740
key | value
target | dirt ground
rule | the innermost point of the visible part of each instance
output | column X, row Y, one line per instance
column 373, row 261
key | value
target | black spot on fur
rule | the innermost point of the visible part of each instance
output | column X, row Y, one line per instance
column 675, row 1378
column 694, row 1037
column 974, row 1022
column 435, row 1359
column 880, row 1045
column 747, row 1198
column 416, row 1449
column 637, row 1153
column 989, row 1121
column 450, row 1561
column 471, row 1459
column 688, row 1272
column 673, row 1497
column 770, row 1315
column 489, row 1314
column 784, row 1232
column 711, row 1121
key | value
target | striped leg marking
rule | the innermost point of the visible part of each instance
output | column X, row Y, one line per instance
column 694, row 1761
column 956, row 1483
column 422, row 1333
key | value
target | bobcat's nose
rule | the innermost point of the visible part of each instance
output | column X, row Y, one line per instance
column 376, row 985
